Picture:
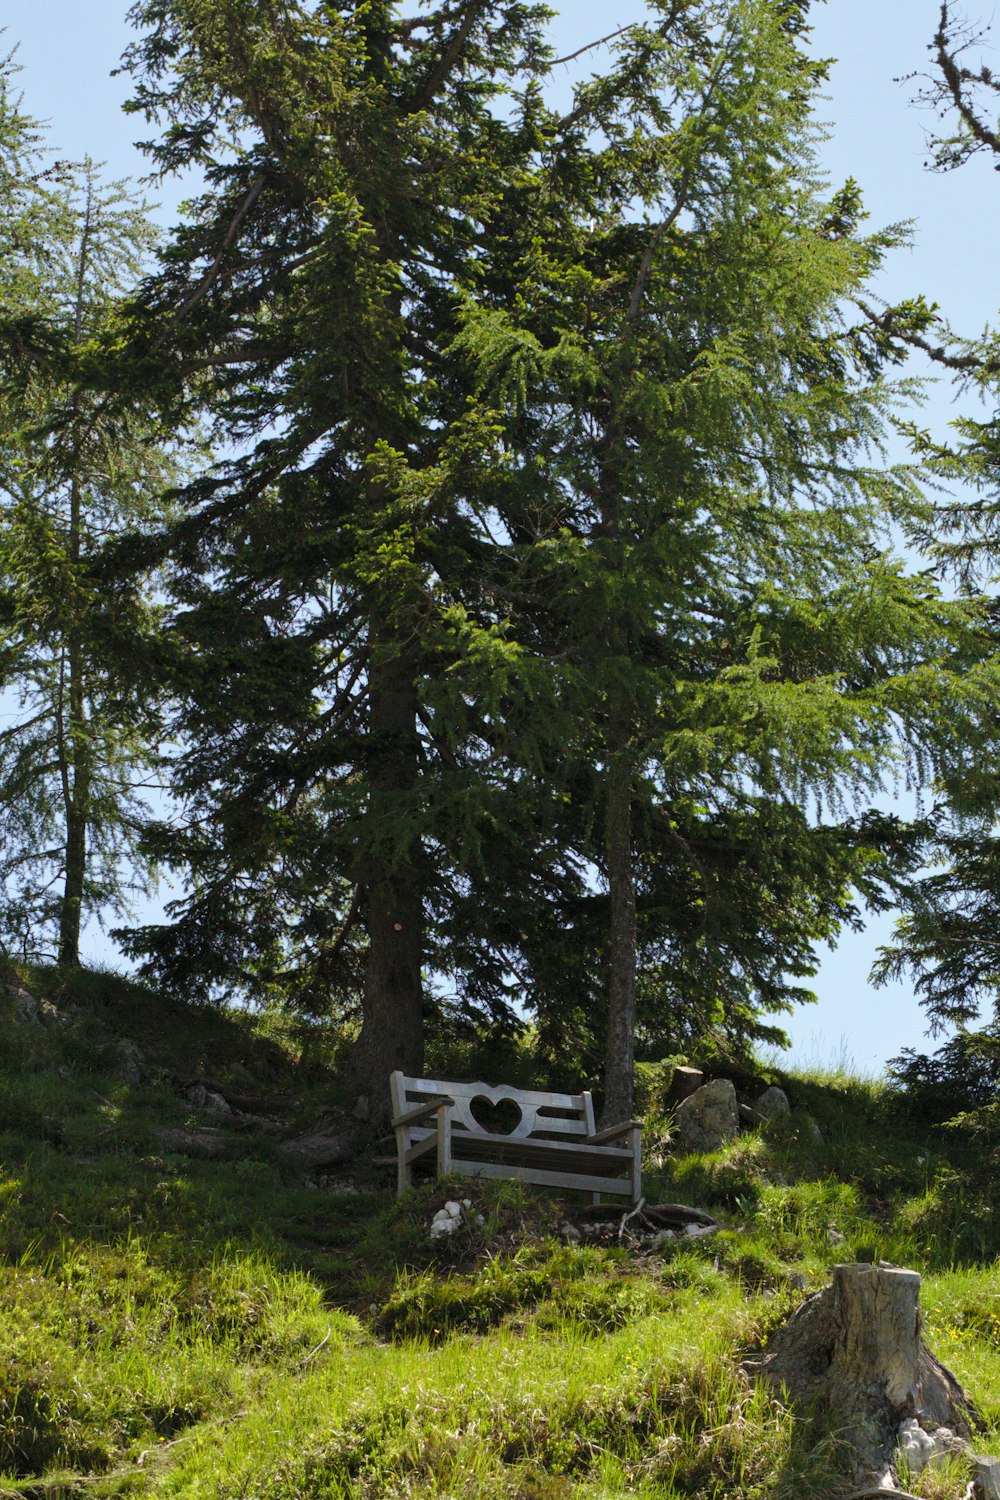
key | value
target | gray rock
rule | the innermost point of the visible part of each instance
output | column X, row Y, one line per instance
column 130, row 1062
column 208, row 1100
column 709, row 1117
column 772, row 1102
column 26, row 1008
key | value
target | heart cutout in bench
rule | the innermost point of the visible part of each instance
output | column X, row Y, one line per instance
column 499, row 1116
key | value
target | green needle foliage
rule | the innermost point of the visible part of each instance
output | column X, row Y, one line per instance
column 78, row 735
column 551, row 530
column 703, row 520
column 947, row 936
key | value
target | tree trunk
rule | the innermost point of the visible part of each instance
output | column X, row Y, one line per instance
column 620, row 1053
column 392, row 1022
column 71, row 906
column 75, row 749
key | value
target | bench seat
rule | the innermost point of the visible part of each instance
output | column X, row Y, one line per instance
column 554, row 1142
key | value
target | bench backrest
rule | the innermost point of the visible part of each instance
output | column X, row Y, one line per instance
column 543, row 1115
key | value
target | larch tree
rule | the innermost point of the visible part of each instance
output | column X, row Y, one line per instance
column 78, row 741
column 947, row 938
column 698, row 426
column 334, row 625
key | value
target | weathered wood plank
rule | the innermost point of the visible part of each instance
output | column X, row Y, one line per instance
column 420, row 1112
column 477, row 1090
column 554, row 1142
column 467, row 1145
column 543, row 1178
column 612, row 1132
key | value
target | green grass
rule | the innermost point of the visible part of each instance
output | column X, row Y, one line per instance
column 222, row 1330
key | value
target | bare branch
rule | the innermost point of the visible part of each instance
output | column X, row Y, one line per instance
column 955, row 77
column 656, row 238
column 961, row 364
column 592, row 46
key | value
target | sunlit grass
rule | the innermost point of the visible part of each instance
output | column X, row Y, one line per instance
column 223, row 1331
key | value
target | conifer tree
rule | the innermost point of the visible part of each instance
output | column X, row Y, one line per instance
column 547, row 507
column 732, row 639
column 78, row 738
column 947, row 936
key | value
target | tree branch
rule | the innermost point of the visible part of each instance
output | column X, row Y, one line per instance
column 208, row 280
column 451, row 55
column 591, row 46
column 962, row 364
column 954, row 77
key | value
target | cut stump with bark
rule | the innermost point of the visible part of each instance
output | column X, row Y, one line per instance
column 852, row 1354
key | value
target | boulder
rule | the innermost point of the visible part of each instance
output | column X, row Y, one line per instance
column 26, row 1008
column 207, row 1100
column 772, row 1102
column 709, row 1117
column 29, row 1010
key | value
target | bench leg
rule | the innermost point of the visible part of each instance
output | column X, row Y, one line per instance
column 402, row 1169
column 443, row 1140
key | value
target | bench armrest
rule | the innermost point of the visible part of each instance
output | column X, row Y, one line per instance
column 421, row 1111
column 611, row 1132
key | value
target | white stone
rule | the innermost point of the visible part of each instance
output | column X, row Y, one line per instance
column 923, row 1450
column 699, row 1231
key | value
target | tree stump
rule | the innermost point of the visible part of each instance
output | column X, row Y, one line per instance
column 853, row 1355
column 684, row 1082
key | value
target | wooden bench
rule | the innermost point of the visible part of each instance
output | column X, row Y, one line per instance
column 552, row 1140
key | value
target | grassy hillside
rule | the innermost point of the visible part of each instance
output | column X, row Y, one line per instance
column 232, row 1329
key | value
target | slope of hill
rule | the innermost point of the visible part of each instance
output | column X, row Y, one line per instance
column 226, row 1327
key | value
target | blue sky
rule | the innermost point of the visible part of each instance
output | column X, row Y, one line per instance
column 68, row 49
